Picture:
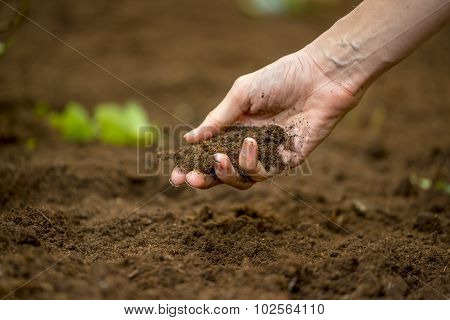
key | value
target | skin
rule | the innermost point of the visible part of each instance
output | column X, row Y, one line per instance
column 308, row 92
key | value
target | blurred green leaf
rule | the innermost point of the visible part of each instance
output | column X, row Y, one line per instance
column 5, row 45
column 296, row 6
column 107, row 116
column 111, row 123
column 443, row 186
column 425, row 183
column 30, row 144
column 422, row 183
column 135, row 117
column 41, row 109
column 272, row 7
column 258, row 8
column 120, row 125
column 74, row 123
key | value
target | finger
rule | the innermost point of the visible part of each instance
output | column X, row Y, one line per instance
column 248, row 161
column 225, row 114
column 177, row 177
column 199, row 180
column 227, row 174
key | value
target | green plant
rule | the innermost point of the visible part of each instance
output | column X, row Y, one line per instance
column 443, row 186
column 74, row 123
column 427, row 183
column 111, row 123
column 9, row 26
column 41, row 109
column 30, row 144
column 120, row 125
column 2, row 48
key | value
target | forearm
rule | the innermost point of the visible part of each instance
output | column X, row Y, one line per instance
column 375, row 36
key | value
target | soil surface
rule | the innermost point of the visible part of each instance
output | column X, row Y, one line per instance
column 77, row 221
column 200, row 156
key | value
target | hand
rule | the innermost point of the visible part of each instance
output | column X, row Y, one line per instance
column 292, row 92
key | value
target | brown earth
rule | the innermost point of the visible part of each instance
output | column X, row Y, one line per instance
column 200, row 156
column 76, row 221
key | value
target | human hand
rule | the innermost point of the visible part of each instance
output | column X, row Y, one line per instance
column 309, row 91
column 293, row 93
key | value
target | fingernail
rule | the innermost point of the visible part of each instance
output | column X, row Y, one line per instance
column 173, row 184
column 217, row 158
column 247, row 147
column 190, row 133
column 217, row 162
column 189, row 184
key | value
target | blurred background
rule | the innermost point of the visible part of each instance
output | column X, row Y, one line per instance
column 183, row 54
column 383, row 173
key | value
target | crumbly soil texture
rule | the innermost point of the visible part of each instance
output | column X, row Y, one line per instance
column 78, row 221
column 200, row 156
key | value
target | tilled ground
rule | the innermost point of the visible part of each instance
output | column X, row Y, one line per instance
column 77, row 222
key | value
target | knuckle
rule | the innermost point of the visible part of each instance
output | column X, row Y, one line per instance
column 239, row 94
column 212, row 121
column 239, row 86
column 239, row 82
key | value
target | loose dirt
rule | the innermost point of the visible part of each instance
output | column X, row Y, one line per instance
column 200, row 156
column 76, row 221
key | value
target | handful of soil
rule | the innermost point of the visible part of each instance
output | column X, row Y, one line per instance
column 199, row 156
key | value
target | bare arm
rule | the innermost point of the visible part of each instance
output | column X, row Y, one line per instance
column 375, row 36
column 319, row 83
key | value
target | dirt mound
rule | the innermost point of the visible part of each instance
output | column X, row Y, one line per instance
column 80, row 222
column 200, row 156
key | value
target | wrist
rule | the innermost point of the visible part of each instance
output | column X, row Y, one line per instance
column 350, row 54
column 341, row 63
column 373, row 37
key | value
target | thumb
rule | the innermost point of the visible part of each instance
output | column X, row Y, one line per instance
column 224, row 115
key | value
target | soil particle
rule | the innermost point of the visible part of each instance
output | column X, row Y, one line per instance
column 200, row 156
column 428, row 222
column 80, row 218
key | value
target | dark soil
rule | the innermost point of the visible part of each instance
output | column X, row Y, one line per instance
column 76, row 221
column 200, row 156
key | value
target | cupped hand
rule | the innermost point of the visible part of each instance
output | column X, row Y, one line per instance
column 294, row 93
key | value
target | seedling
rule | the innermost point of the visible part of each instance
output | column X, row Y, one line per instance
column 120, row 125
column 2, row 48
column 74, row 123
column 443, row 186
column 427, row 183
column 30, row 144
column 111, row 123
